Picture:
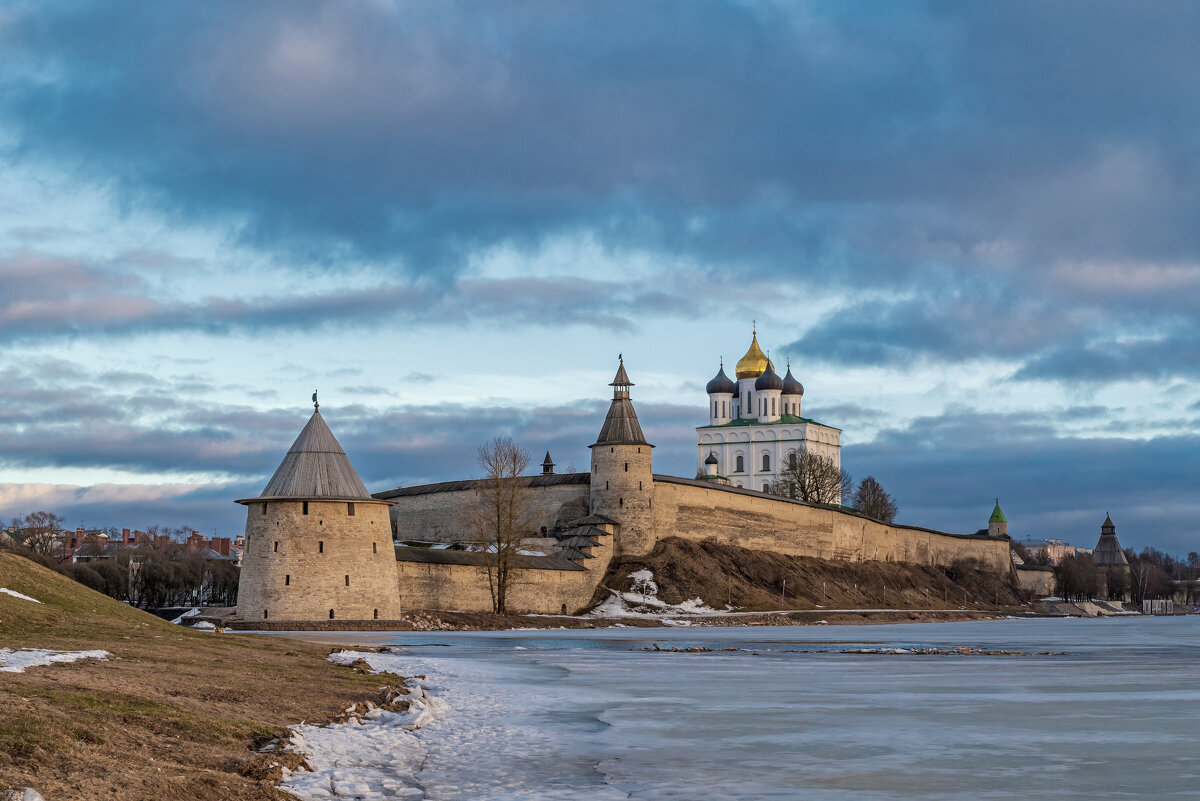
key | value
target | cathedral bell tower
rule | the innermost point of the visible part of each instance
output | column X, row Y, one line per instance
column 622, row 481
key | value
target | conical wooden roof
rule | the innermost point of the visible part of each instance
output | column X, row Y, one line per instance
column 316, row 467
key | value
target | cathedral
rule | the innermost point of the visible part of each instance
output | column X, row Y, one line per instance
column 755, row 425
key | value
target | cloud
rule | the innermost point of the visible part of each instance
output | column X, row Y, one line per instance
column 421, row 134
column 56, row 297
column 945, row 472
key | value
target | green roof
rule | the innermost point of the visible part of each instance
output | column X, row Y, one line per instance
column 786, row 419
column 997, row 515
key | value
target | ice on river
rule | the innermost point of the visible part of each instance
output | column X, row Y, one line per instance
column 1089, row 709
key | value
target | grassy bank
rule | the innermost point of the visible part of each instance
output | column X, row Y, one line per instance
column 173, row 714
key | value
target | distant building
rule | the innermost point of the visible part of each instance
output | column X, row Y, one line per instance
column 1054, row 550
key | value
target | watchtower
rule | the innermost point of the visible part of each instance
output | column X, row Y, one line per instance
column 622, row 481
column 318, row 546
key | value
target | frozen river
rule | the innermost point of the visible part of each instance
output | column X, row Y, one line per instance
column 1112, row 712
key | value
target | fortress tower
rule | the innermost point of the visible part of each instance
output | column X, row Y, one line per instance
column 318, row 546
column 997, row 523
column 622, row 482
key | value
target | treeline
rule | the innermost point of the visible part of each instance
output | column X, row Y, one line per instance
column 158, row 571
column 1152, row 574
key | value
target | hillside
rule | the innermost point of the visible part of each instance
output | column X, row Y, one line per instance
column 173, row 714
column 755, row 580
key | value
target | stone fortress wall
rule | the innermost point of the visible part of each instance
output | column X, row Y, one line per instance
column 698, row 510
column 432, row 512
column 326, row 564
column 556, row 589
column 688, row 508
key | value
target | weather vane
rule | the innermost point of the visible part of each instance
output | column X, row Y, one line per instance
column 315, row 404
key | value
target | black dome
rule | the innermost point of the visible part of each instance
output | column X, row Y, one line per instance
column 712, row 458
column 790, row 385
column 768, row 380
column 721, row 384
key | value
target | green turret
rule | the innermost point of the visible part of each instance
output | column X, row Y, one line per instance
column 998, row 523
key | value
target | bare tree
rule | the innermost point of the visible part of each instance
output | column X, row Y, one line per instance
column 501, row 514
column 874, row 501
column 41, row 532
column 813, row 478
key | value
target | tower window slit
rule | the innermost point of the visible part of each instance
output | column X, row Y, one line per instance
column 264, row 614
column 331, row 614
column 350, row 510
column 276, row 548
column 287, row 581
column 374, row 547
column 305, row 507
column 376, row 614
column 264, row 508
column 620, row 501
column 627, row 467
column 347, row 581
column 321, row 546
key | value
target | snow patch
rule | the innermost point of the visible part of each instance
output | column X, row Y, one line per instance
column 16, row 661
column 374, row 755
column 642, row 601
column 16, row 594
column 205, row 625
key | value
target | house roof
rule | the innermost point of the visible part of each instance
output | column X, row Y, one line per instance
column 578, row 541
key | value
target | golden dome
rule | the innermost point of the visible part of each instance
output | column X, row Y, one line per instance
column 754, row 363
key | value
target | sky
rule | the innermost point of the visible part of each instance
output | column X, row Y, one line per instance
column 973, row 230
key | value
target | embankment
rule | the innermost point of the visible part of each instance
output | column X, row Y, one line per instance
column 721, row 574
column 172, row 714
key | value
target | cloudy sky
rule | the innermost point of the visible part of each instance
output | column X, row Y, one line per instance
column 973, row 228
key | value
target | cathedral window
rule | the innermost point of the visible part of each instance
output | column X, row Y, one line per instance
column 741, row 465
column 772, row 406
column 766, row 461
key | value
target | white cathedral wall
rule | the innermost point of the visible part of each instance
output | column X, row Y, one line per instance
column 753, row 442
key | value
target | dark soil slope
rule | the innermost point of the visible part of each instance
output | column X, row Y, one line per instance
column 173, row 715
column 760, row 580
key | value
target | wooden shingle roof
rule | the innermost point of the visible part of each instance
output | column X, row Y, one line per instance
column 316, row 467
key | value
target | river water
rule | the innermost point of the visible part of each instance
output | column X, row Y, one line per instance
column 1088, row 709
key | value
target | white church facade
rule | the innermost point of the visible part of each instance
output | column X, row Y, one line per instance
column 755, row 425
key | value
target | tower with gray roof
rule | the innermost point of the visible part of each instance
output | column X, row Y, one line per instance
column 318, row 546
column 622, row 480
